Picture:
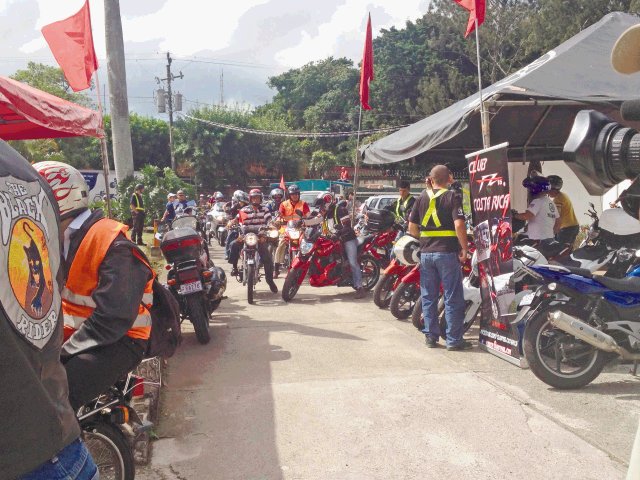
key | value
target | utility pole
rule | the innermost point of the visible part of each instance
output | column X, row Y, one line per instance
column 170, row 78
column 119, row 105
column 221, row 86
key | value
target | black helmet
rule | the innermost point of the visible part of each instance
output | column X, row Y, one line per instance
column 555, row 182
column 536, row 185
column 294, row 189
column 139, row 186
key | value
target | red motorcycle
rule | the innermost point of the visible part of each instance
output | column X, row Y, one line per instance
column 323, row 259
column 291, row 237
column 389, row 281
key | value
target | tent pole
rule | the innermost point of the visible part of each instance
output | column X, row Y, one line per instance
column 355, row 170
column 105, row 154
column 484, row 115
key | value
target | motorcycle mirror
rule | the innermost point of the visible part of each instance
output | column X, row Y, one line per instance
column 637, row 253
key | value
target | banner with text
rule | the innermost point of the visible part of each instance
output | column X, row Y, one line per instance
column 491, row 213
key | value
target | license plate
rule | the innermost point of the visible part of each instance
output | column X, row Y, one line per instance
column 527, row 299
column 191, row 287
column 251, row 262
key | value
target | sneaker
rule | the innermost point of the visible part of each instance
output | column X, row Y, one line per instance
column 234, row 272
column 431, row 342
column 463, row 345
column 360, row 293
column 272, row 286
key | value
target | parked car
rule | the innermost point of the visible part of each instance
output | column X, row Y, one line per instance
column 310, row 196
column 378, row 201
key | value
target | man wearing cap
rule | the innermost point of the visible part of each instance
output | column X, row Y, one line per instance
column 137, row 214
column 170, row 211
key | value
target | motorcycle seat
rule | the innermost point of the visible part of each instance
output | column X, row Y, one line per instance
column 583, row 272
column 626, row 284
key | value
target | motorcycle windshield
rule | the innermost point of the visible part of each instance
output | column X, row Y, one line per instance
column 185, row 221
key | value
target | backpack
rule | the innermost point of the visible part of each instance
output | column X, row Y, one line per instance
column 166, row 334
column 165, row 323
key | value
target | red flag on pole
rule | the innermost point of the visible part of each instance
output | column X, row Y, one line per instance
column 71, row 43
column 282, row 182
column 366, row 70
column 476, row 11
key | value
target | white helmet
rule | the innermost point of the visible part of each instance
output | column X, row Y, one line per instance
column 68, row 185
column 407, row 250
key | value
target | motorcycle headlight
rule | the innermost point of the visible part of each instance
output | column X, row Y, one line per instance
column 251, row 239
column 220, row 218
column 305, row 247
column 273, row 233
column 294, row 234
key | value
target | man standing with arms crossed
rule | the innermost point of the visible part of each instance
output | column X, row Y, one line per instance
column 438, row 221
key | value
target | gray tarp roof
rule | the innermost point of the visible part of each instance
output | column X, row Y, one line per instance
column 578, row 70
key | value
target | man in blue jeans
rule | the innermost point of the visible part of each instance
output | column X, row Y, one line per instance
column 438, row 221
column 40, row 436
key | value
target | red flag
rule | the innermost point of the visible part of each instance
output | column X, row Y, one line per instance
column 366, row 70
column 282, row 182
column 71, row 43
column 476, row 11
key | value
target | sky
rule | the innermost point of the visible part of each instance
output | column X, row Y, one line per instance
column 249, row 39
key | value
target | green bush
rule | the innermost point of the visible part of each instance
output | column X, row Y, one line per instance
column 158, row 183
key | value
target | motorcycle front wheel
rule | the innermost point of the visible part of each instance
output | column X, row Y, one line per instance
column 291, row 285
column 465, row 326
column 384, row 290
column 251, row 278
column 558, row 358
column 403, row 300
column 110, row 451
column 199, row 317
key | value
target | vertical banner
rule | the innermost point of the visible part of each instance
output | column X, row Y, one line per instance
column 491, row 213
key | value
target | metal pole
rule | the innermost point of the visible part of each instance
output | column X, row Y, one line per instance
column 356, row 169
column 105, row 153
column 170, row 100
column 484, row 115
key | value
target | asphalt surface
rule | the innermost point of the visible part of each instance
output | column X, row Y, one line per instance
column 329, row 387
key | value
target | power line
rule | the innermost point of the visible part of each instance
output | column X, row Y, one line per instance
column 292, row 134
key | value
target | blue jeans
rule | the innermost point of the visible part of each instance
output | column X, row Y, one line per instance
column 73, row 462
column 351, row 251
column 445, row 269
column 231, row 238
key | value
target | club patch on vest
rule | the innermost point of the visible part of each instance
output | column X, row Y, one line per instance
column 27, row 230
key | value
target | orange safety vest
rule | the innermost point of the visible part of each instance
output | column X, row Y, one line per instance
column 288, row 209
column 77, row 295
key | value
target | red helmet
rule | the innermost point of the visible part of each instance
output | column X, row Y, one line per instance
column 324, row 200
column 255, row 192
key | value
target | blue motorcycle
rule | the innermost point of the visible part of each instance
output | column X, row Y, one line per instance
column 577, row 322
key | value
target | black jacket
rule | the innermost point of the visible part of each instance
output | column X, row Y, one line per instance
column 122, row 278
column 341, row 221
column 37, row 420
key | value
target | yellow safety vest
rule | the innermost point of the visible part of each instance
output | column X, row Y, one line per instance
column 138, row 206
column 404, row 206
column 432, row 214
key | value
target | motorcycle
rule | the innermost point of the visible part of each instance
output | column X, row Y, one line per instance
column 291, row 237
column 250, row 262
column 388, row 283
column 323, row 259
column 110, row 426
column 193, row 279
column 576, row 322
column 216, row 224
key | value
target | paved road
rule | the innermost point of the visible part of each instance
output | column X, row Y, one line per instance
column 329, row 387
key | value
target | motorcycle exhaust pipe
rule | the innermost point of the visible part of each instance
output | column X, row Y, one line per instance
column 585, row 332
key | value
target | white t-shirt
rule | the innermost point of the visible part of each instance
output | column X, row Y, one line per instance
column 540, row 227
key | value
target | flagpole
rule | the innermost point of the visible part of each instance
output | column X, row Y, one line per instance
column 484, row 120
column 105, row 153
column 355, row 170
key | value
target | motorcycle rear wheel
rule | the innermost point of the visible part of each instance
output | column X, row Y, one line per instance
column 291, row 286
column 370, row 271
column 403, row 300
column 251, row 278
column 443, row 322
column 546, row 347
column 110, row 451
column 383, row 292
column 199, row 318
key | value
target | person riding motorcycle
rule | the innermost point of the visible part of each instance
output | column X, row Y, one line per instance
column 541, row 215
column 218, row 197
column 252, row 218
column 288, row 207
column 339, row 215
column 239, row 200
column 107, row 294
column 276, row 200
